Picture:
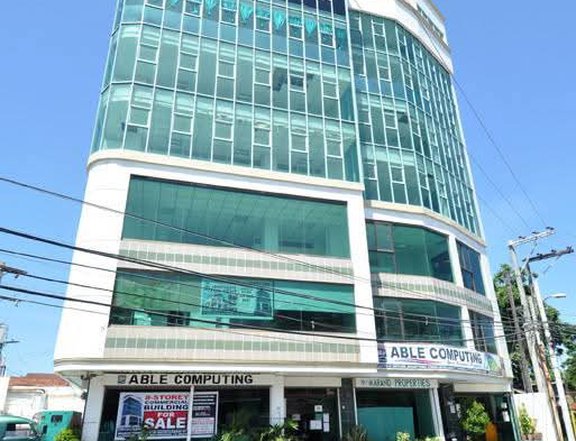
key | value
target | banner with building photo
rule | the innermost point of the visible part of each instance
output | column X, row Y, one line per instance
column 440, row 357
column 236, row 301
column 165, row 414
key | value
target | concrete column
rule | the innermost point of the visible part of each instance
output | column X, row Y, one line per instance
column 437, row 413
column 277, row 403
column 455, row 261
column 499, row 331
column 347, row 404
column 467, row 328
column 93, row 411
column 365, row 324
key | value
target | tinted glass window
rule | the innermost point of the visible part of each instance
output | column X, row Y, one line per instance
column 483, row 331
column 408, row 250
column 471, row 269
column 168, row 299
column 177, row 212
column 417, row 320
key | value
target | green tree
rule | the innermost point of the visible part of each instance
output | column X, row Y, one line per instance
column 475, row 421
column 67, row 435
column 503, row 282
column 569, row 373
column 527, row 423
column 563, row 334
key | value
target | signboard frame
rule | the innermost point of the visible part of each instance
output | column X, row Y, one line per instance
column 404, row 383
column 168, row 412
column 393, row 355
column 224, row 300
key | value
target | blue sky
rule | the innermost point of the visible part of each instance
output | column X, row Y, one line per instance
column 514, row 62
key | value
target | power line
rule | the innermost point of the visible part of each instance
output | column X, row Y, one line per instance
column 17, row 302
column 499, row 150
column 444, row 321
column 499, row 191
column 71, row 198
column 496, row 215
column 494, row 144
column 148, row 276
column 205, row 321
column 179, row 229
column 186, row 272
column 426, row 318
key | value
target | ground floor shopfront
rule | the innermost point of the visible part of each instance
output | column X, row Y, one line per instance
column 324, row 407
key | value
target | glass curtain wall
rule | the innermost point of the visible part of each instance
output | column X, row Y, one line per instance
column 403, row 249
column 184, row 213
column 411, row 143
column 424, row 321
column 255, row 83
column 169, row 299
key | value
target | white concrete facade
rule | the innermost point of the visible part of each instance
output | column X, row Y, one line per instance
column 84, row 353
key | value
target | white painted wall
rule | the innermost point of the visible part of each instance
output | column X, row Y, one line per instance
column 537, row 406
column 26, row 401
column 82, row 334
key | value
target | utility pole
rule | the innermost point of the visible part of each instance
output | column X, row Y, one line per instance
column 530, row 323
column 3, row 328
column 521, row 344
column 528, row 317
column 558, row 394
column 10, row 270
column 4, row 342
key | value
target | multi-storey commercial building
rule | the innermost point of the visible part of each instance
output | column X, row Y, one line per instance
column 294, row 222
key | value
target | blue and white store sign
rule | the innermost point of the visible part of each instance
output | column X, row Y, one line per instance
column 436, row 357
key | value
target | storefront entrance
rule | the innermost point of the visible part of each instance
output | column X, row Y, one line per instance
column 236, row 408
column 315, row 411
column 497, row 406
column 384, row 413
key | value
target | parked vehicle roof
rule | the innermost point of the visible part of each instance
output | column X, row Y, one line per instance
column 15, row 419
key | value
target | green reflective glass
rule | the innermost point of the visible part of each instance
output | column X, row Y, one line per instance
column 238, row 52
column 168, row 299
column 222, row 217
column 417, row 320
column 471, row 268
column 397, row 74
column 408, row 250
column 483, row 332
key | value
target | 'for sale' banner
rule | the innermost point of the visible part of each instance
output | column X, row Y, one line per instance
column 165, row 414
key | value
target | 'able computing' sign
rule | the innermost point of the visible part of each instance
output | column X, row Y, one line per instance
column 439, row 357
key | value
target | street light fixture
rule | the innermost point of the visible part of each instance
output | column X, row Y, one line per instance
column 560, row 295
